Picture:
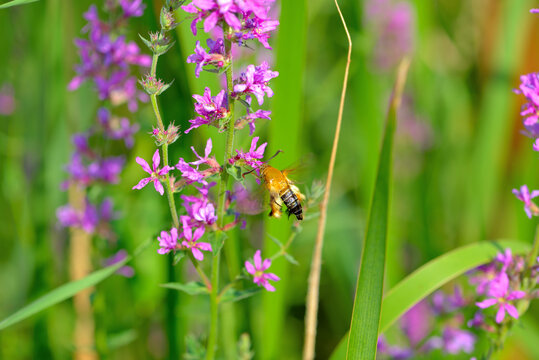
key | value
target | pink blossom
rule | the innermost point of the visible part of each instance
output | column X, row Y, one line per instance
column 258, row 268
column 500, row 295
column 155, row 173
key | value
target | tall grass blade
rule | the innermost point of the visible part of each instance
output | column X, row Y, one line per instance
column 368, row 299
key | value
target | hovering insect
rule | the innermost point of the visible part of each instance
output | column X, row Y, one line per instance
column 282, row 191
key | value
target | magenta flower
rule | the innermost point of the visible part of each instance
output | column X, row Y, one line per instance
column 255, row 81
column 524, row 195
column 213, row 11
column 250, row 119
column 253, row 156
column 529, row 87
column 258, row 28
column 505, row 258
column 191, row 242
column 501, row 295
column 155, row 173
column 258, row 271
column 168, row 241
column 202, row 58
column 210, row 109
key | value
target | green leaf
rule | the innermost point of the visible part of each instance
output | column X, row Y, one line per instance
column 363, row 337
column 232, row 295
column 178, row 256
column 235, row 172
column 61, row 293
column 431, row 276
column 15, row 3
column 217, row 240
column 191, row 288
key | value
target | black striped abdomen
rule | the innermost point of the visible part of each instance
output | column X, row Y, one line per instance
column 292, row 203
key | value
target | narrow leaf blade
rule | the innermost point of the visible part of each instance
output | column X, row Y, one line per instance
column 368, row 299
column 15, row 3
column 61, row 293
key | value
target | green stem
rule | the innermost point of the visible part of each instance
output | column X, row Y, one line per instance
column 532, row 256
column 214, row 294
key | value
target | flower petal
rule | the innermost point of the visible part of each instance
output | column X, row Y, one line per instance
column 486, row 303
column 156, row 159
column 142, row 183
column 500, row 315
column 197, row 254
column 269, row 287
column 158, row 186
column 250, row 268
column 258, row 260
column 144, row 164
column 512, row 310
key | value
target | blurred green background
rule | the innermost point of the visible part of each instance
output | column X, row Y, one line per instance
column 459, row 152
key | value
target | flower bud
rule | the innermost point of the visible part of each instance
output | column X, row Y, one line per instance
column 167, row 19
column 153, row 86
column 158, row 43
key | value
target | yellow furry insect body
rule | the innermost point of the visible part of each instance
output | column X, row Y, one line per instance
column 282, row 191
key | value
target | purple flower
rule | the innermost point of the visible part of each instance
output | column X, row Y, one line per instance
column 126, row 271
column 88, row 218
column 250, row 119
column 505, row 258
column 457, row 340
column 501, row 295
column 202, row 58
column 117, row 128
column 132, row 8
column 255, row 81
column 416, row 322
column 168, row 241
column 105, row 59
column 258, row 28
column 188, row 173
column 529, row 87
column 253, row 156
column 534, row 11
column 210, row 109
column 394, row 352
column 213, row 11
column 524, row 195
column 155, row 173
column 191, row 242
column 261, row 278
column 482, row 281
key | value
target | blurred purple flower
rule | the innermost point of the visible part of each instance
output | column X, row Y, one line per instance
column 155, row 173
column 132, row 8
column 258, row 268
column 7, row 100
column 105, row 59
column 394, row 352
column 500, row 295
column 416, row 322
column 457, row 340
column 88, row 218
column 524, row 195
column 117, row 128
column 126, row 271
column 393, row 25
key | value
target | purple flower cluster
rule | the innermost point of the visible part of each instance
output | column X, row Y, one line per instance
column 435, row 325
column 248, row 18
column 215, row 56
column 106, row 57
column 500, row 282
column 252, row 157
